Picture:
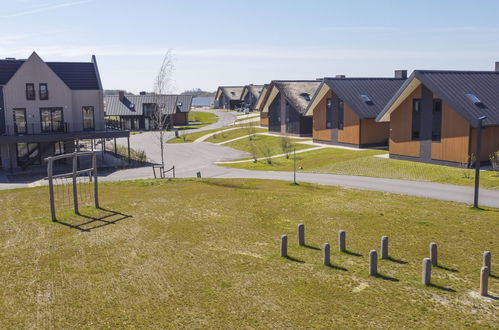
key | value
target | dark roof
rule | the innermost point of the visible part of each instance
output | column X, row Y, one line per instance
column 231, row 92
column 132, row 105
column 76, row 75
column 379, row 91
column 255, row 90
column 452, row 87
column 298, row 92
column 8, row 68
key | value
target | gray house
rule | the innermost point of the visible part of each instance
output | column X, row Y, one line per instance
column 137, row 112
column 250, row 95
column 228, row 97
column 45, row 107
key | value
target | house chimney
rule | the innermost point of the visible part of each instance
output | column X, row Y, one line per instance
column 121, row 95
column 143, row 93
column 340, row 76
column 497, row 66
column 401, row 74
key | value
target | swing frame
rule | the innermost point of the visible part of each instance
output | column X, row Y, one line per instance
column 92, row 172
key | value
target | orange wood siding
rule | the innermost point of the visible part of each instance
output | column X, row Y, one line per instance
column 351, row 127
column 320, row 132
column 373, row 132
column 401, row 142
column 264, row 119
column 181, row 118
column 454, row 144
column 490, row 141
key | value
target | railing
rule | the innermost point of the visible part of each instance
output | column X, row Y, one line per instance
column 38, row 128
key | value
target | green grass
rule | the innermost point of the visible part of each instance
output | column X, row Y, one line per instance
column 191, row 137
column 264, row 143
column 362, row 163
column 201, row 119
column 204, row 254
column 229, row 135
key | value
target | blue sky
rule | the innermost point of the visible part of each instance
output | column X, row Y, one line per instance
column 222, row 42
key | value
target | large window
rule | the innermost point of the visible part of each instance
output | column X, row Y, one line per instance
column 59, row 148
column 329, row 113
column 30, row 91
column 28, row 153
column 20, row 126
column 436, row 127
column 88, row 118
column 43, row 92
column 51, row 120
column 416, row 119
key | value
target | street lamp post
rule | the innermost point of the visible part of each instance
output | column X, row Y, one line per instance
column 478, row 159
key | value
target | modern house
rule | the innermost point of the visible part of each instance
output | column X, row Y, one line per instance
column 264, row 119
column 345, row 109
column 434, row 116
column 46, row 107
column 228, row 97
column 139, row 112
column 285, row 104
column 250, row 96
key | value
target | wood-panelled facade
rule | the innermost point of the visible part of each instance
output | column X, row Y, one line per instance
column 285, row 119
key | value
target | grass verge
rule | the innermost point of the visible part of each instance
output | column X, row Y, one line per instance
column 204, row 254
column 233, row 134
column 199, row 119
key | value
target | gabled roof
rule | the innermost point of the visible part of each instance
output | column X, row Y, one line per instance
column 233, row 93
column 76, row 75
column 255, row 90
column 352, row 90
column 133, row 105
column 259, row 102
column 297, row 92
column 452, row 87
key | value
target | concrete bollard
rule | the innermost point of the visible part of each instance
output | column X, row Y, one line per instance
column 301, row 234
column 433, row 254
column 373, row 263
column 487, row 260
column 426, row 271
column 342, row 241
column 327, row 254
column 484, row 281
column 284, row 246
column 384, row 247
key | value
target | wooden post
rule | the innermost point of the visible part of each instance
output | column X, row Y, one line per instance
column 484, row 281
column 129, row 154
column 433, row 254
column 487, row 260
column 426, row 271
column 373, row 263
column 96, row 183
column 284, row 246
column 75, row 183
column 384, row 247
column 51, row 189
column 301, row 234
column 342, row 241
column 115, row 148
column 327, row 254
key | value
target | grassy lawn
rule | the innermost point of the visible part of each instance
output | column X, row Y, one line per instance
column 233, row 134
column 204, row 254
column 201, row 119
column 263, row 145
column 362, row 163
column 191, row 137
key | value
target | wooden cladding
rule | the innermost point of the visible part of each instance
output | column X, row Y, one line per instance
column 351, row 130
column 490, row 141
column 264, row 118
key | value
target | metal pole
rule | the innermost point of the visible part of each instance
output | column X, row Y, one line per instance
column 294, row 165
column 51, row 190
column 478, row 159
column 115, row 148
column 96, row 184
column 75, row 183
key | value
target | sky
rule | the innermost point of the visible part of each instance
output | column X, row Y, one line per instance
column 222, row 42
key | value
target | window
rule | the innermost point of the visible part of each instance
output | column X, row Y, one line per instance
column 28, row 153
column 436, row 128
column 30, row 92
column 20, row 126
column 416, row 118
column 306, row 96
column 341, row 111
column 43, row 92
column 51, row 120
column 88, row 118
column 59, row 148
column 329, row 113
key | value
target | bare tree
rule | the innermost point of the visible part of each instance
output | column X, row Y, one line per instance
column 162, row 85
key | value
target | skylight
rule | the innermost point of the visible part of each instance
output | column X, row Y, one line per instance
column 132, row 105
column 366, row 99
column 306, row 96
column 179, row 104
column 473, row 98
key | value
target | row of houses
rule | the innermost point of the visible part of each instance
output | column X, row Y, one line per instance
column 430, row 116
column 235, row 97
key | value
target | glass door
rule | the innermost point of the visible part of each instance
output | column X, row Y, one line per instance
column 51, row 120
column 88, row 118
column 20, row 126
